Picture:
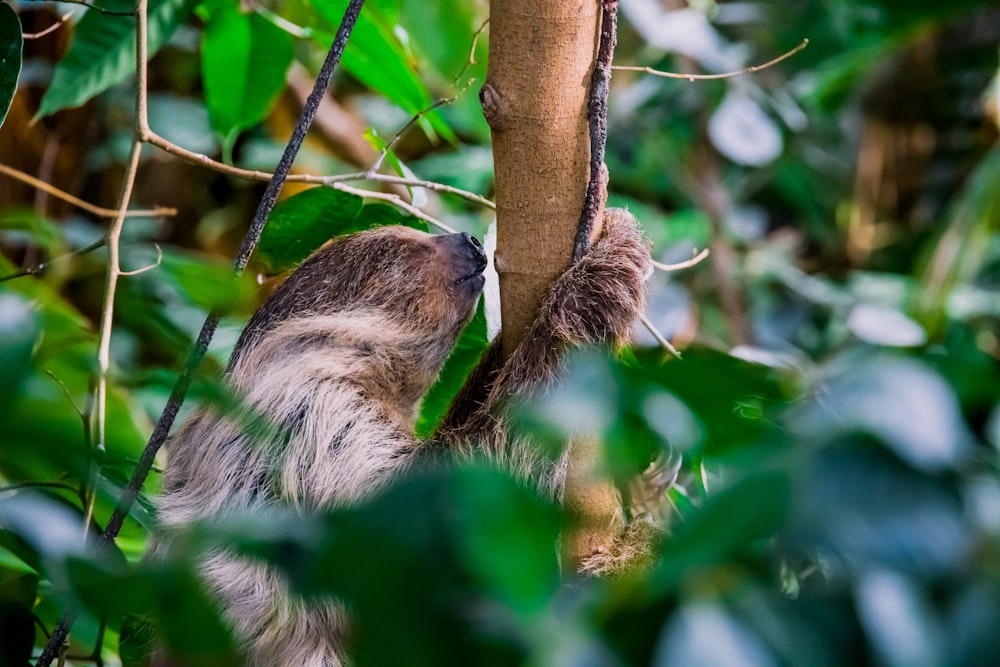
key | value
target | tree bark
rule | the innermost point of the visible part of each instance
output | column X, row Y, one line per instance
column 535, row 99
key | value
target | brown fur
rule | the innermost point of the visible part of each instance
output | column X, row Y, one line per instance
column 338, row 359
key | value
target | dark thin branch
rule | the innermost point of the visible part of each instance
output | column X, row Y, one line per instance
column 179, row 391
column 597, row 115
column 38, row 268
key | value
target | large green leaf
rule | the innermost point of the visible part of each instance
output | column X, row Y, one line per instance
column 302, row 223
column 102, row 52
column 11, row 43
column 244, row 62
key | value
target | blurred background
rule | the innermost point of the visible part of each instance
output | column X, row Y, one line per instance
column 838, row 401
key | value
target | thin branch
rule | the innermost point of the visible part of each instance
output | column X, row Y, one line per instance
column 687, row 264
column 410, row 123
column 597, row 116
column 397, row 201
column 69, row 397
column 472, row 51
column 149, row 267
column 332, row 181
column 709, row 77
column 159, row 211
column 658, row 336
column 411, row 182
column 48, row 31
column 38, row 268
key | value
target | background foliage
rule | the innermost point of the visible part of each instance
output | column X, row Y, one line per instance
column 837, row 405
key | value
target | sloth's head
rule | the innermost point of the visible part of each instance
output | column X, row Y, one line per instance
column 420, row 283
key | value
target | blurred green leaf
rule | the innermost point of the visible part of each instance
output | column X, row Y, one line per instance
column 900, row 401
column 864, row 508
column 20, row 327
column 102, row 52
column 302, row 223
column 11, row 43
column 470, row 346
column 191, row 629
column 203, row 281
column 244, row 62
column 752, row 509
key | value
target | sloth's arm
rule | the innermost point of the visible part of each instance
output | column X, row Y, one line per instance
column 595, row 302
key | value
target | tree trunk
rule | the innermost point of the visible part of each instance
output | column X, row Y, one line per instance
column 535, row 100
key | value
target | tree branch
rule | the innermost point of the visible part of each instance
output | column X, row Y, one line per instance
column 710, row 77
column 333, row 181
column 159, row 211
column 48, row 31
column 41, row 266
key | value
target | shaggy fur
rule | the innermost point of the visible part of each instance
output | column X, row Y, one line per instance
column 338, row 359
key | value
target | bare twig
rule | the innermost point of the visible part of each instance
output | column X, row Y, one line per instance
column 38, row 268
column 597, row 116
column 472, row 51
column 660, row 338
column 51, row 29
column 687, row 264
column 410, row 123
column 709, row 77
column 69, row 397
column 148, row 267
column 411, row 182
column 332, row 181
column 159, row 211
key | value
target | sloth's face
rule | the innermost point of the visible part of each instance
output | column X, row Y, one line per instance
column 397, row 279
column 421, row 279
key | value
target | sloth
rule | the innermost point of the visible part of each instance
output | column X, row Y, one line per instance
column 338, row 359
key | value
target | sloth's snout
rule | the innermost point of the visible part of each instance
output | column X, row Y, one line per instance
column 467, row 257
column 478, row 254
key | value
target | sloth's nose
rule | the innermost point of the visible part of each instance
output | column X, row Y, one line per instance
column 477, row 247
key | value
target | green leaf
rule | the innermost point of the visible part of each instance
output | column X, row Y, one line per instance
column 376, row 57
column 302, row 223
column 11, row 44
column 102, row 52
column 379, row 215
column 244, row 62
column 463, row 358
column 20, row 327
column 752, row 509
